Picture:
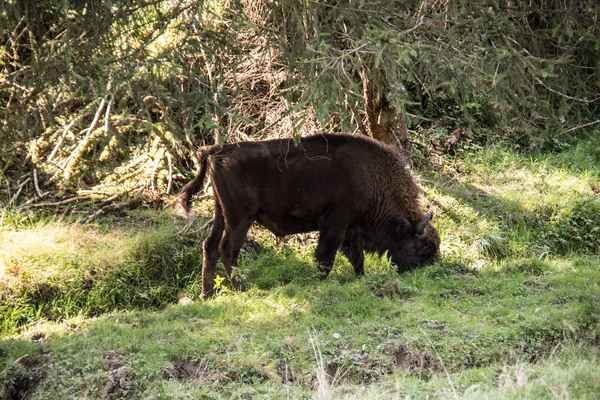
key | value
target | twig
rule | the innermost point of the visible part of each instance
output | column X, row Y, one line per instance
column 101, row 211
column 170, row 184
column 581, row 126
column 418, row 116
column 203, row 197
column 19, row 189
column 566, row 96
column 105, row 206
column 192, row 221
column 358, row 119
column 37, row 184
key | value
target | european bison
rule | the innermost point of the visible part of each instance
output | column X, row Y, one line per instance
column 358, row 193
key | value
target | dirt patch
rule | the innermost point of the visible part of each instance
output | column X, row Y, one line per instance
column 407, row 358
column 285, row 372
column 356, row 366
column 393, row 288
column 207, row 370
column 118, row 383
column 386, row 289
column 20, row 379
column 184, row 369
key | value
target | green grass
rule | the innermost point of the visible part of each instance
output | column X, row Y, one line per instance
column 511, row 310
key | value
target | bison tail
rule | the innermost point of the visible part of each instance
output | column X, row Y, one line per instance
column 192, row 187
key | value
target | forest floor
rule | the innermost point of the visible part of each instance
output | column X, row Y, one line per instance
column 111, row 309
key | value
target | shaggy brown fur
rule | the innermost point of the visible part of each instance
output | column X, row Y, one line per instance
column 358, row 193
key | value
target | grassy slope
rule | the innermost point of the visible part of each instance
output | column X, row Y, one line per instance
column 490, row 320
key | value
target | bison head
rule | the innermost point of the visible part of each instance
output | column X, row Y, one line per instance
column 413, row 245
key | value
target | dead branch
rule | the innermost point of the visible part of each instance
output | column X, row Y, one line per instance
column 72, row 160
column 358, row 119
column 566, row 96
column 131, row 175
column 161, row 154
column 110, row 199
column 581, row 126
column 37, row 185
column 107, row 115
column 170, row 184
column 61, row 139
column 19, row 189
column 105, row 206
column 192, row 221
column 108, row 207
column 59, row 203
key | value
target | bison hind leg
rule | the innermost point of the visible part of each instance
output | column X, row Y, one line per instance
column 211, row 254
column 229, row 248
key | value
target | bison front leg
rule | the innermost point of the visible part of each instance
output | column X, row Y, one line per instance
column 329, row 243
column 354, row 253
column 211, row 254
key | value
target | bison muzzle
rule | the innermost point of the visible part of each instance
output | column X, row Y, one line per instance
column 358, row 193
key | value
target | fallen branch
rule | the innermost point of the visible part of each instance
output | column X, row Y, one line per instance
column 61, row 139
column 104, row 209
column 110, row 199
column 59, row 203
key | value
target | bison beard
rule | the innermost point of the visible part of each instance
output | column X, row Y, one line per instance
column 358, row 193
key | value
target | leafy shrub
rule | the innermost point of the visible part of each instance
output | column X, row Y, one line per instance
column 575, row 227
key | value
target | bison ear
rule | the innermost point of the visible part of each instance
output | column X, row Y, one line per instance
column 400, row 227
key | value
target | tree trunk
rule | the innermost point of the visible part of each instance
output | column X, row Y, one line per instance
column 385, row 123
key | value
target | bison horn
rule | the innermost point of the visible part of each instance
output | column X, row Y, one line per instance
column 420, row 228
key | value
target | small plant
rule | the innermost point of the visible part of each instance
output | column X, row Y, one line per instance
column 575, row 228
column 493, row 247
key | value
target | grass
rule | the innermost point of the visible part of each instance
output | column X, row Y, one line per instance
column 511, row 310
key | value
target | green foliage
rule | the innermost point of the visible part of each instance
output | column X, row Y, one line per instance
column 575, row 228
column 118, row 97
column 475, row 65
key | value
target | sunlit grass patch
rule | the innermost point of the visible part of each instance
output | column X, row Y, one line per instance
column 55, row 251
column 532, row 202
column 60, row 270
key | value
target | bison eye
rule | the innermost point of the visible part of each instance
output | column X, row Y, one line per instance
column 428, row 248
